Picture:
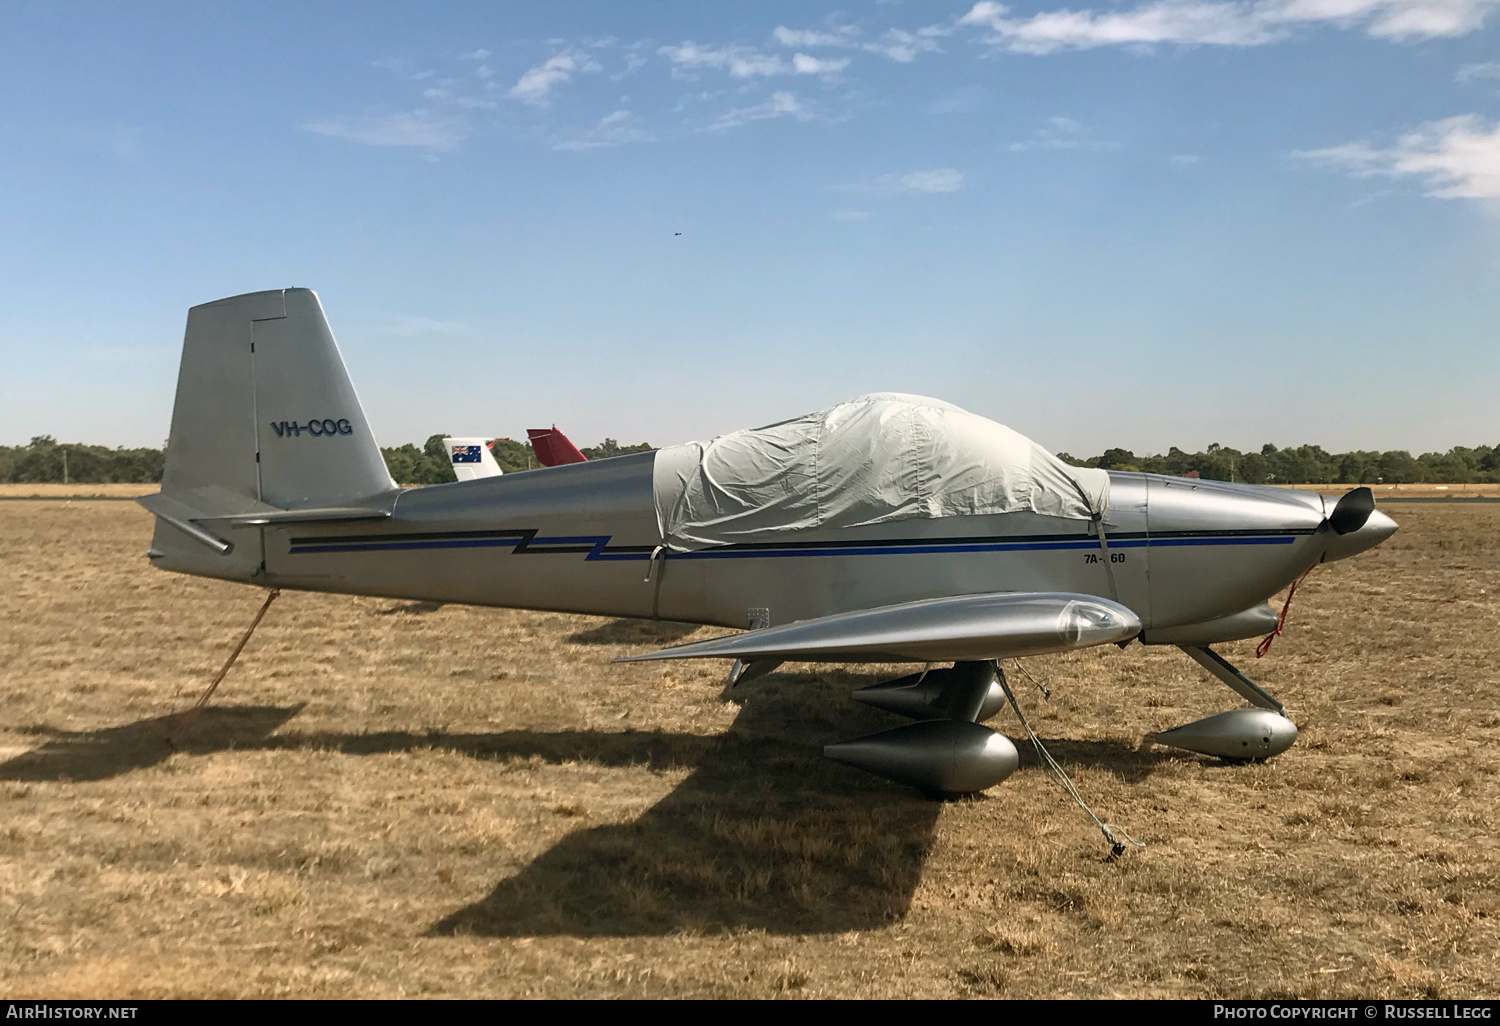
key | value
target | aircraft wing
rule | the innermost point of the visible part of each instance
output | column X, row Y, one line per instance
column 958, row 628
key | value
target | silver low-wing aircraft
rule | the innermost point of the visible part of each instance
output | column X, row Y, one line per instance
column 892, row 528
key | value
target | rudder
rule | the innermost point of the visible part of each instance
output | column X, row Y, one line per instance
column 315, row 447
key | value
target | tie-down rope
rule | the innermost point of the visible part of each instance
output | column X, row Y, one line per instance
column 1110, row 832
column 191, row 716
column 1265, row 643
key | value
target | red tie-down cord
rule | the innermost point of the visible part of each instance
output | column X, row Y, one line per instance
column 1265, row 643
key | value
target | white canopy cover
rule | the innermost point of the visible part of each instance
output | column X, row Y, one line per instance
column 882, row 457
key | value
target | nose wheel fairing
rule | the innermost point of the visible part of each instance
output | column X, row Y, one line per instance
column 1238, row 735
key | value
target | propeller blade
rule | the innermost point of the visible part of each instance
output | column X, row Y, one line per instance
column 1352, row 511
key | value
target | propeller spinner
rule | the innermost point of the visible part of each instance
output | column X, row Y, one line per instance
column 1351, row 512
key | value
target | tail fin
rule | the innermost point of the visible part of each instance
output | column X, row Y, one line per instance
column 552, row 447
column 266, row 420
column 471, row 458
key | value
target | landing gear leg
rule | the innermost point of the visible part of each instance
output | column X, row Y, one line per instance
column 1243, row 686
column 971, row 691
column 743, row 672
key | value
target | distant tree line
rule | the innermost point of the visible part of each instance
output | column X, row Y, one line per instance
column 1311, row 464
column 46, row 460
column 430, row 464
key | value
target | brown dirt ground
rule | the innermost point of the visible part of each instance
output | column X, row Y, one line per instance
column 392, row 798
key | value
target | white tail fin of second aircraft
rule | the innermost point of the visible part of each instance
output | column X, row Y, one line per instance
column 471, row 458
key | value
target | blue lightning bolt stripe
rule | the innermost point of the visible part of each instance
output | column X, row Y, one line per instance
column 596, row 547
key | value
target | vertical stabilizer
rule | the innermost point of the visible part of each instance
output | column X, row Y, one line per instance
column 265, row 419
column 471, row 458
column 553, row 448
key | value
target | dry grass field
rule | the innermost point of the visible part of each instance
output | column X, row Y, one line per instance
column 1412, row 491
column 76, row 491
column 389, row 798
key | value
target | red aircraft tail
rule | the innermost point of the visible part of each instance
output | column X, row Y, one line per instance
column 552, row 447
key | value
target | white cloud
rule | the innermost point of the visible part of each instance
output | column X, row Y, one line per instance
column 805, row 65
column 1185, row 159
column 1455, row 158
column 475, row 55
column 424, row 75
column 903, row 47
column 1220, row 22
column 1478, row 72
column 1427, row 19
column 534, row 86
column 943, row 179
column 615, row 129
column 938, row 180
column 1162, row 22
column 1061, row 133
column 745, row 61
column 844, row 35
column 894, row 44
column 849, row 215
column 780, row 105
column 418, row 128
column 739, row 61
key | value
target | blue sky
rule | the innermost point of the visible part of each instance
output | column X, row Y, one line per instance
column 1134, row 224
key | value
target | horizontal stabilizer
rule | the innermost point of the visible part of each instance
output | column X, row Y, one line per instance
column 181, row 515
column 302, row 516
column 962, row 627
column 188, row 510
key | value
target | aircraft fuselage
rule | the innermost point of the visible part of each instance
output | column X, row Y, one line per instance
column 584, row 538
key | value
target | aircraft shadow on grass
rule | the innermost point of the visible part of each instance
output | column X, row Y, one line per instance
column 634, row 632
column 100, row 754
column 763, row 834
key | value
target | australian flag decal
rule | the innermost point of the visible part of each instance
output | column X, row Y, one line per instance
column 466, row 454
